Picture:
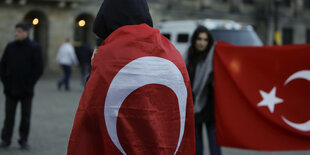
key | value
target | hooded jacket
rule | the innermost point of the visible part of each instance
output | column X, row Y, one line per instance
column 114, row 14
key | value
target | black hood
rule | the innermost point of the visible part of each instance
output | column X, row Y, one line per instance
column 114, row 14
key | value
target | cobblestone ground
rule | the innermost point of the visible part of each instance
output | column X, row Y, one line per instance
column 52, row 118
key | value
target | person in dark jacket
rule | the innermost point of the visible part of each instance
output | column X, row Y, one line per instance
column 20, row 68
column 199, row 65
column 84, row 54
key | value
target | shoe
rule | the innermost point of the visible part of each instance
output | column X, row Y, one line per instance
column 24, row 145
column 4, row 145
column 67, row 89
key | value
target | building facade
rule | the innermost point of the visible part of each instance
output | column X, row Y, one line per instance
column 57, row 20
column 53, row 22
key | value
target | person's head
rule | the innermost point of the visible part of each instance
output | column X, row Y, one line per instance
column 114, row 14
column 70, row 41
column 201, row 43
column 21, row 31
column 202, row 39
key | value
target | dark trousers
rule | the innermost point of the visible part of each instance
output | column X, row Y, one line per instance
column 10, row 110
column 84, row 72
column 67, row 74
column 214, row 148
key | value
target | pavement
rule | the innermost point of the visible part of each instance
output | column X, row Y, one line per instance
column 53, row 113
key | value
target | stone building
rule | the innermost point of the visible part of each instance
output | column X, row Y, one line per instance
column 59, row 19
column 56, row 20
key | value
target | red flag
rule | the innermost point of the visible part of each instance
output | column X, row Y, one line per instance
column 137, row 100
column 262, row 96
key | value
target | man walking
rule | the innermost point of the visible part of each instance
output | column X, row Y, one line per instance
column 65, row 57
column 84, row 54
column 20, row 68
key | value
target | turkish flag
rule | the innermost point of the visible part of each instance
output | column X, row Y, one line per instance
column 262, row 96
column 137, row 100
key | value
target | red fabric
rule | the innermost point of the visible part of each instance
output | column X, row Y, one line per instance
column 140, row 131
column 240, row 74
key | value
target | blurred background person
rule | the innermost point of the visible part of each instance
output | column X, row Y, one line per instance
column 20, row 68
column 199, row 65
column 66, row 57
column 84, row 54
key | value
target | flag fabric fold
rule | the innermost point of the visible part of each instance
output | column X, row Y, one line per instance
column 137, row 100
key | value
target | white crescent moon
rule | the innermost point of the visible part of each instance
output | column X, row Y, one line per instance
column 299, row 126
column 138, row 73
column 304, row 74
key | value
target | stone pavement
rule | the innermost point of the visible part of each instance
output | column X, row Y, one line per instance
column 52, row 118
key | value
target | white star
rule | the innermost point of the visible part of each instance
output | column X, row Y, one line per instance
column 269, row 99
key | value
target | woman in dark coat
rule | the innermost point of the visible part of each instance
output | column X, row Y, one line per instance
column 199, row 65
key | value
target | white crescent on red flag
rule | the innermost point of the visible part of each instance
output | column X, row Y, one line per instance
column 262, row 96
column 137, row 100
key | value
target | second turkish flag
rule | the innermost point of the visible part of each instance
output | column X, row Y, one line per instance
column 262, row 96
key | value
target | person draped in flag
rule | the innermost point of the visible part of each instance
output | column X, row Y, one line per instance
column 199, row 65
column 137, row 99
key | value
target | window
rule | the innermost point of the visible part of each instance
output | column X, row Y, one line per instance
column 307, row 4
column 220, row 1
column 308, row 36
column 286, row 3
column 150, row 1
column 167, row 35
column 287, row 36
column 247, row 1
column 245, row 37
column 183, row 38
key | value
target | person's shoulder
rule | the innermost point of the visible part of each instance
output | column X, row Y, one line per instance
column 67, row 45
column 11, row 44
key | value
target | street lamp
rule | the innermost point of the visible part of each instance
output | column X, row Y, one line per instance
column 82, row 23
column 35, row 21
